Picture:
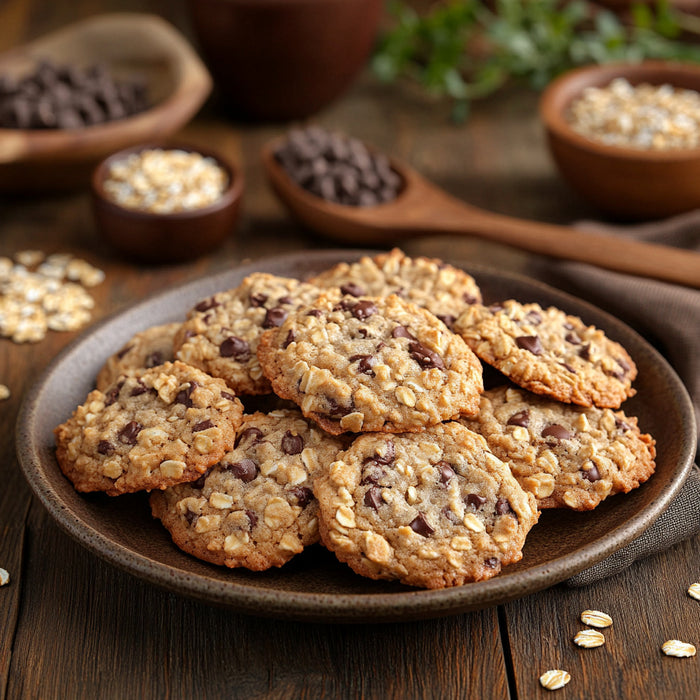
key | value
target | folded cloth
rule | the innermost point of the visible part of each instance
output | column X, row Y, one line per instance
column 668, row 316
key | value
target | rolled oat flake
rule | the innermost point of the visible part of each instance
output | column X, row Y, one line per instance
column 694, row 591
column 554, row 679
column 674, row 647
column 595, row 618
column 589, row 639
column 4, row 577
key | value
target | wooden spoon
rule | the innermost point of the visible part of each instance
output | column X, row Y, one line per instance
column 423, row 208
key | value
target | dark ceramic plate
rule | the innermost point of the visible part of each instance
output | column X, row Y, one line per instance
column 314, row 586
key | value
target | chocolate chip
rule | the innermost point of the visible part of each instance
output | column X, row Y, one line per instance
column 354, row 290
column 402, row 332
column 425, row 357
column 123, row 351
column 303, row 495
column 585, row 351
column 503, row 507
column 557, row 431
column 492, row 563
column 448, row 320
column 533, row 317
column 366, row 362
column 622, row 425
column 469, row 298
column 184, row 396
column 234, row 347
column 371, row 473
column 285, row 300
column 421, row 526
column 246, row 470
column 451, row 515
column 275, row 317
column 591, row 474
column 363, row 309
column 521, row 418
column 291, row 337
column 531, row 343
column 227, row 395
column 446, row 471
column 567, row 367
column 105, row 448
column 572, row 338
column 113, row 394
column 207, row 304
column 252, row 519
column 315, row 312
column 335, row 409
column 154, row 359
column 474, row 500
column 139, row 389
column 388, row 456
column 199, row 483
column 257, row 300
column 191, row 517
column 204, row 425
column 129, row 433
column 292, row 444
column 245, row 434
column 373, row 497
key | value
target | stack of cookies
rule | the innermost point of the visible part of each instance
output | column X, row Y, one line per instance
column 366, row 425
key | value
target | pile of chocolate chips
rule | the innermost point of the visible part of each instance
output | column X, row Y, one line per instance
column 67, row 97
column 338, row 168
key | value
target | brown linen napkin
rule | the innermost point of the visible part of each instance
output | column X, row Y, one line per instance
column 668, row 316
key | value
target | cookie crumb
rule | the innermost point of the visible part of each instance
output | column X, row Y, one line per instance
column 554, row 679
column 4, row 392
column 4, row 577
column 694, row 591
column 589, row 639
column 595, row 618
column 674, row 647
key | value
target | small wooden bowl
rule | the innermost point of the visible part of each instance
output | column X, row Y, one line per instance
column 128, row 44
column 166, row 238
column 625, row 182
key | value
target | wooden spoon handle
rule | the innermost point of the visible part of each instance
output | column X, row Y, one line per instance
column 613, row 252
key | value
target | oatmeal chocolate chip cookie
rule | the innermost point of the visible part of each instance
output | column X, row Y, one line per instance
column 255, row 508
column 162, row 427
column 222, row 332
column 432, row 509
column 147, row 349
column 548, row 352
column 566, row 456
column 371, row 364
column 427, row 282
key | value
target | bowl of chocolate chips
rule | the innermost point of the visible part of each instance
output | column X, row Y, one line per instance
column 70, row 98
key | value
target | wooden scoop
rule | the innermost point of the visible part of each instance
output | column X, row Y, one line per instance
column 423, row 208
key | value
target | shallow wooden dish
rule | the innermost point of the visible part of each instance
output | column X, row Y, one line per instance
column 314, row 585
column 626, row 182
column 128, row 43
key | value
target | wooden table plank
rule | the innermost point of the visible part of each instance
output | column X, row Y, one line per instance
column 648, row 604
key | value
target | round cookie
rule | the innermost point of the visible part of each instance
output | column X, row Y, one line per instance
column 432, row 509
column 549, row 352
column 566, row 456
column 165, row 426
column 375, row 364
column 255, row 508
column 429, row 283
column 222, row 332
column 147, row 349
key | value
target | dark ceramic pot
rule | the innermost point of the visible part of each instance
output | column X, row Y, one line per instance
column 284, row 59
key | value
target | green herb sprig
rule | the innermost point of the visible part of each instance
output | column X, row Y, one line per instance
column 466, row 50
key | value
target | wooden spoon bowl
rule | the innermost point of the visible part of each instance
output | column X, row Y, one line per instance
column 128, row 44
column 627, row 182
column 422, row 208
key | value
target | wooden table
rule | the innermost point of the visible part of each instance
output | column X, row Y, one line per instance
column 72, row 626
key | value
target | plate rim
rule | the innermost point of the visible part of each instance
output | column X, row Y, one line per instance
column 338, row 607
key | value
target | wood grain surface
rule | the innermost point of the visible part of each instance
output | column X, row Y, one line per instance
column 72, row 626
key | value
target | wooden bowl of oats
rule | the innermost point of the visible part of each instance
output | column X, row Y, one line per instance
column 166, row 203
column 627, row 136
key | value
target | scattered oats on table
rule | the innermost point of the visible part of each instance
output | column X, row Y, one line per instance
column 39, row 293
column 589, row 639
column 4, row 577
column 595, row 618
column 4, row 392
column 694, row 591
column 674, row 647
